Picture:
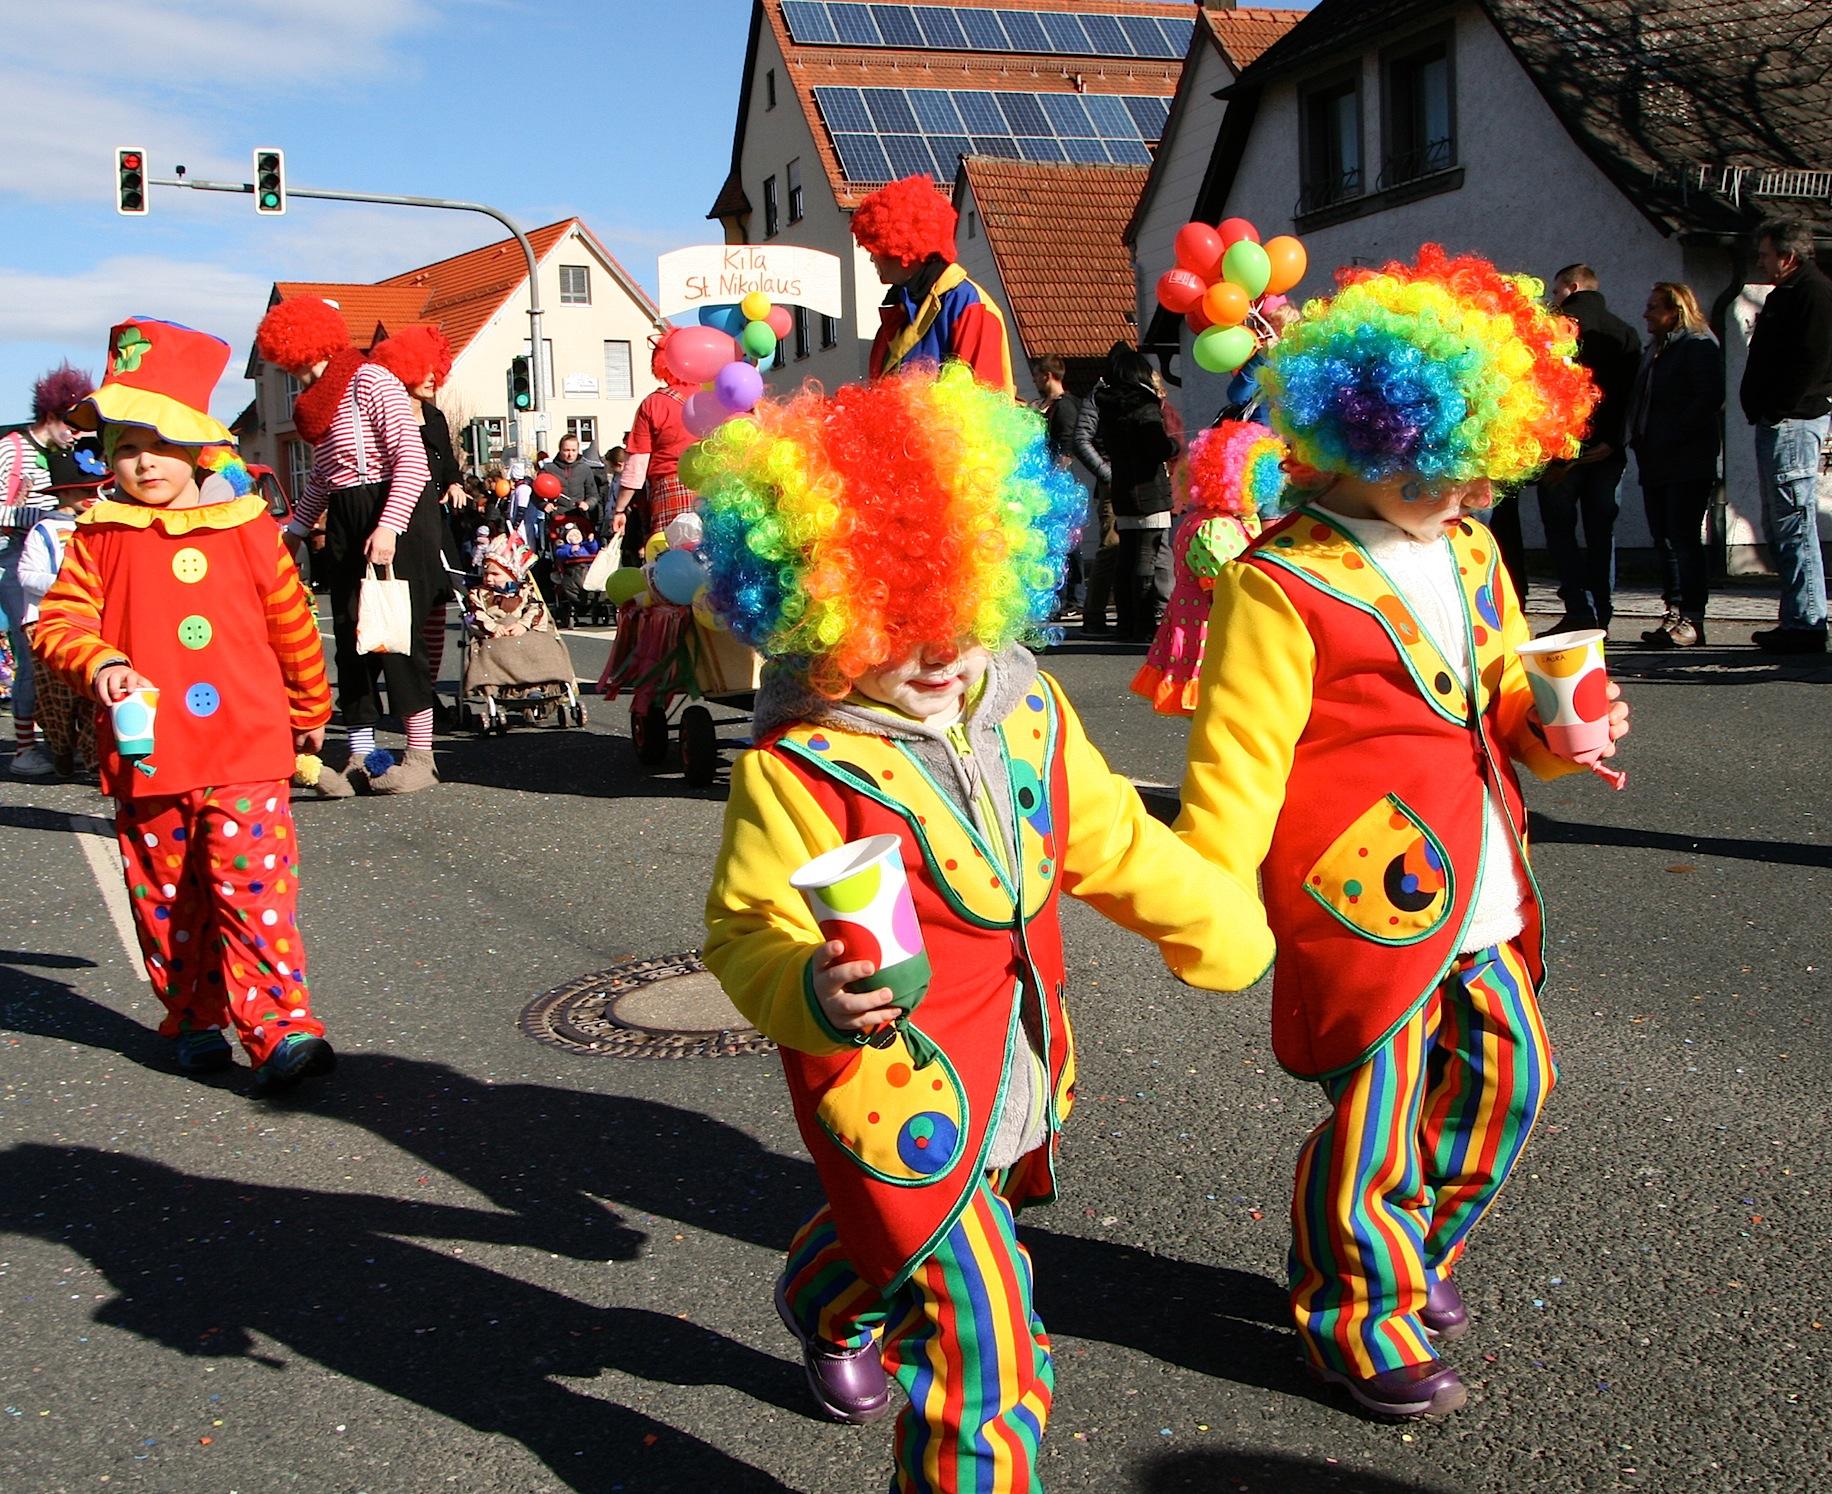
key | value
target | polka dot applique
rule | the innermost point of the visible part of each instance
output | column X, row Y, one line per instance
column 228, row 889
column 183, row 936
column 1441, row 683
column 269, row 917
column 1353, row 562
column 256, row 831
column 268, row 862
column 1321, row 533
column 195, row 631
column 951, row 864
column 170, row 889
column 180, row 833
column 245, row 806
column 1479, row 556
column 1035, row 702
column 1044, row 869
column 231, row 829
column 1481, row 636
column 150, row 839
column 1398, row 618
column 270, row 805
column 1486, row 608
column 202, row 700
column 190, row 565
column 819, row 744
column 1284, row 542
column 162, row 914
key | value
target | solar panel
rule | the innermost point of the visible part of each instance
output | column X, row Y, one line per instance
column 983, row 29
column 1037, row 148
column 1179, row 33
column 1111, row 121
column 1065, row 33
column 1146, row 39
column 940, row 28
column 890, row 111
column 1067, row 114
column 855, row 25
column 843, row 110
column 964, row 28
column 1149, row 114
column 981, row 113
column 1025, row 30
column 995, row 145
column 909, row 155
column 948, row 151
column 1024, row 114
column 808, row 22
column 897, row 26
column 1128, row 153
column 935, row 111
column 1108, row 37
column 862, row 158
column 1085, row 152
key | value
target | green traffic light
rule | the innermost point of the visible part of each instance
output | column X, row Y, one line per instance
column 270, row 199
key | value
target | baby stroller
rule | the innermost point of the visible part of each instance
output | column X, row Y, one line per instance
column 515, row 662
column 572, row 603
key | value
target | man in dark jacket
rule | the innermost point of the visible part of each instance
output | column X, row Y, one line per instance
column 1138, row 444
column 1585, row 487
column 1060, row 411
column 1787, row 397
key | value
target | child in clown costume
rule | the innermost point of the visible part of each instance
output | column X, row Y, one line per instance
column 898, row 701
column 1234, row 472
column 191, row 589
column 1360, row 709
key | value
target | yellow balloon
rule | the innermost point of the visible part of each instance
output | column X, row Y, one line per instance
column 657, row 546
column 756, row 306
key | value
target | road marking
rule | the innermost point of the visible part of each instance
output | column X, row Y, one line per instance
column 95, row 838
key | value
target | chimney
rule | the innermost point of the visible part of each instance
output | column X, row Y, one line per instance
column 1216, row 4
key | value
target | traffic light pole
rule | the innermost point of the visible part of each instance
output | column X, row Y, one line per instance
column 536, row 362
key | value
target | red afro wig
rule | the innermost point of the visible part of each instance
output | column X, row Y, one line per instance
column 57, row 391
column 299, row 333
column 413, row 353
column 908, row 221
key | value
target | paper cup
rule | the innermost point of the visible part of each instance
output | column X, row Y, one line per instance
column 132, row 716
column 860, row 896
column 1571, row 689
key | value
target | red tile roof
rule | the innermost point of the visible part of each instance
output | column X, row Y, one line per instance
column 1243, row 34
column 1055, row 233
column 365, row 308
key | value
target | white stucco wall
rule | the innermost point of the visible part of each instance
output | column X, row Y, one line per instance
column 977, row 259
column 1183, row 160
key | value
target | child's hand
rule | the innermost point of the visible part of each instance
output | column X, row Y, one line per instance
column 1618, row 719
column 310, row 743
column 115, row 682
column 850, row 1011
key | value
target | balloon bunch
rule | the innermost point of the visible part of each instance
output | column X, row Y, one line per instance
column 672, row 570
column 727, row 355
column 1220, row 284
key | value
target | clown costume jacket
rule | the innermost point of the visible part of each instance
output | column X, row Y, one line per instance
column 1331, row 755
column 940, row 315
column 999, row 816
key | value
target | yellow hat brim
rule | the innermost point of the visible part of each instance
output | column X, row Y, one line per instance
column 117, row 404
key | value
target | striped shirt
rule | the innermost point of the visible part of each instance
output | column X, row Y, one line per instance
column 374, row 438
column 25, row 477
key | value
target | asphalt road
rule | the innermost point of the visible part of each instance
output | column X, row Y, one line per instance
column 470, row 1260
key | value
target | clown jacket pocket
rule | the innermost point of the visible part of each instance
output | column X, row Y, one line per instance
column 901, row 1123
column 1386, row 876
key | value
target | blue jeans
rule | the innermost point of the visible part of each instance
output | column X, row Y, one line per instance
column 1787, row 466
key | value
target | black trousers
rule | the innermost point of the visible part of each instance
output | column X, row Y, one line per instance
column 1142, row 582
column 1504, row 524
column 350, row 518
column 1584, row 571
column 1676, row 519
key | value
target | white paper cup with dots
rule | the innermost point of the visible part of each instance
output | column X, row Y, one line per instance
column 132, row 717
column 860, row 896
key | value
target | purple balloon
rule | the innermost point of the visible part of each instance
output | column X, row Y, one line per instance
column 739, row 386
column 702, row 413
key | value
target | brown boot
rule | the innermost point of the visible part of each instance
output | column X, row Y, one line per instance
column 412, row 773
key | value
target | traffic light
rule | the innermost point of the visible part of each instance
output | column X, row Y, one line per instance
column 269, row 180
column 130, row 181
column 521, row 386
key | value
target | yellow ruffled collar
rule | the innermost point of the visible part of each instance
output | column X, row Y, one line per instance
column 230, row 515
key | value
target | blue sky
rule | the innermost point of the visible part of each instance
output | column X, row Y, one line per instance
column 620, row 112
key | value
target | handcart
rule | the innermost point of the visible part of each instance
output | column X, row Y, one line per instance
column 671, row 662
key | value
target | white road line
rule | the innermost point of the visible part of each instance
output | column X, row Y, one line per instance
column 95, row 838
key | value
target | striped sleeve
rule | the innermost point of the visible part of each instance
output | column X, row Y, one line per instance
column 389, row 413
column 68, row 638
column 292, row 631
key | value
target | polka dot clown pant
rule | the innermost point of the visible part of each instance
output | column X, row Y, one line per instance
column 961, row 1338
column 213, row 877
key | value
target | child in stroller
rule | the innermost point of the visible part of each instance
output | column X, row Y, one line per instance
column 515, row 662
column 572, row 558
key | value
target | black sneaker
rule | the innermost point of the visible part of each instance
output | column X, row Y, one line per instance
column 1790, row 640
column 203, row 1050
column 299, row 1056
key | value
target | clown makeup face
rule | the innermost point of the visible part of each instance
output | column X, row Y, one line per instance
column 1425, row 511
column 155, row 472
column 931, row 684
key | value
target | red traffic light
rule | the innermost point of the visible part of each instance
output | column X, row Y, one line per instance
column 131, row 160
column 130, row 181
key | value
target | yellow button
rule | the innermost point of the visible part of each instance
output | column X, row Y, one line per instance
column 189, row 565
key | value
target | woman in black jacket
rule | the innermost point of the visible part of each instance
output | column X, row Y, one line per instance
column 1675, row 429
column 1138, row 444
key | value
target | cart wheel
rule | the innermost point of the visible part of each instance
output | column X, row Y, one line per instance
column 578, row 713
column 699, row 746
column 649, row 732
column 464, row 715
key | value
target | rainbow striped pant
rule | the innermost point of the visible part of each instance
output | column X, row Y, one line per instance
column 961, row 1338
column 1420, row 1138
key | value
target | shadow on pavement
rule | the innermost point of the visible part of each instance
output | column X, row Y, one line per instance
column 1223, row 1471
column 1708, row 664
column 1546, row 830
column 592, row 765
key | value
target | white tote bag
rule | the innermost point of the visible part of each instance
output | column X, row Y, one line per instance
column 599, row 571
column 384, row 615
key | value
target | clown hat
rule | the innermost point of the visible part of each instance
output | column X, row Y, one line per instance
column 81, row 467
column 160, row 375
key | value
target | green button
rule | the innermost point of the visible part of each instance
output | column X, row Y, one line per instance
column 195, row 632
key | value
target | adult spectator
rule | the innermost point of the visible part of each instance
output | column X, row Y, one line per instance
column 1585, row 487
column 25, row 479
column 932, row 311
column 1090, row 452
column 658, row 436
column 1674, row 426
column 613, row 476
column 582, row 484
column 1060, row 411
column 1787, row 397
column 1138, row 445
column 368, row 477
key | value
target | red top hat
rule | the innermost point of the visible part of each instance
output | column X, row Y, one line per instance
column 160, row 375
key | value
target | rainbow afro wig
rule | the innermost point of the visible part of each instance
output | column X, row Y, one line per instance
column 909, row 220
column 1446, row 369
column 1237, row 468
column 223, row 462
column 846, row 531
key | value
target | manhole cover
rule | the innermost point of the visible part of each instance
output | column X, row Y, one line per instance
column 644, row 1008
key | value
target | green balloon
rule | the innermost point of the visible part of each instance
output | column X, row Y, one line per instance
column 759, row 338
column 625, row 584
column 1223, row 349
column 1248, row 266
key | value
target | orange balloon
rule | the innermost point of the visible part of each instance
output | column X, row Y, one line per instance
column 1225, row 304
column 1289, row 261
column 500, row 487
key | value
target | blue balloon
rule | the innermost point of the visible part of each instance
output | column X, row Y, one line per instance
column 679, row 576
column 728, row 319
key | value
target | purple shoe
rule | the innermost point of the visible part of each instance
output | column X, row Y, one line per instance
column 1413, row 1390
column 1444, row 1314
column 849, row 1384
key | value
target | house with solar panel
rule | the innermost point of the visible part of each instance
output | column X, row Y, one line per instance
column 838, row 98
column 1644, row 139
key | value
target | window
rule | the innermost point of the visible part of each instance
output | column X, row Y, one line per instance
column 617, row 383
column 771, row 213
column 1420, row 130
column 1330, row 143
column 583, row 429
column 769, row 89
column 795, row 192
column 291, row 388
column 298, row 467
column 575, row 285
column 973, row 224
column 801, row 333
column 830, row 332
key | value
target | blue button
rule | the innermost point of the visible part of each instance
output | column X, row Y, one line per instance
column 202, row 700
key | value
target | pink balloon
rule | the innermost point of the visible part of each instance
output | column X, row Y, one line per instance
column 696, row 354
column 702, row 413
column 781, row 320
